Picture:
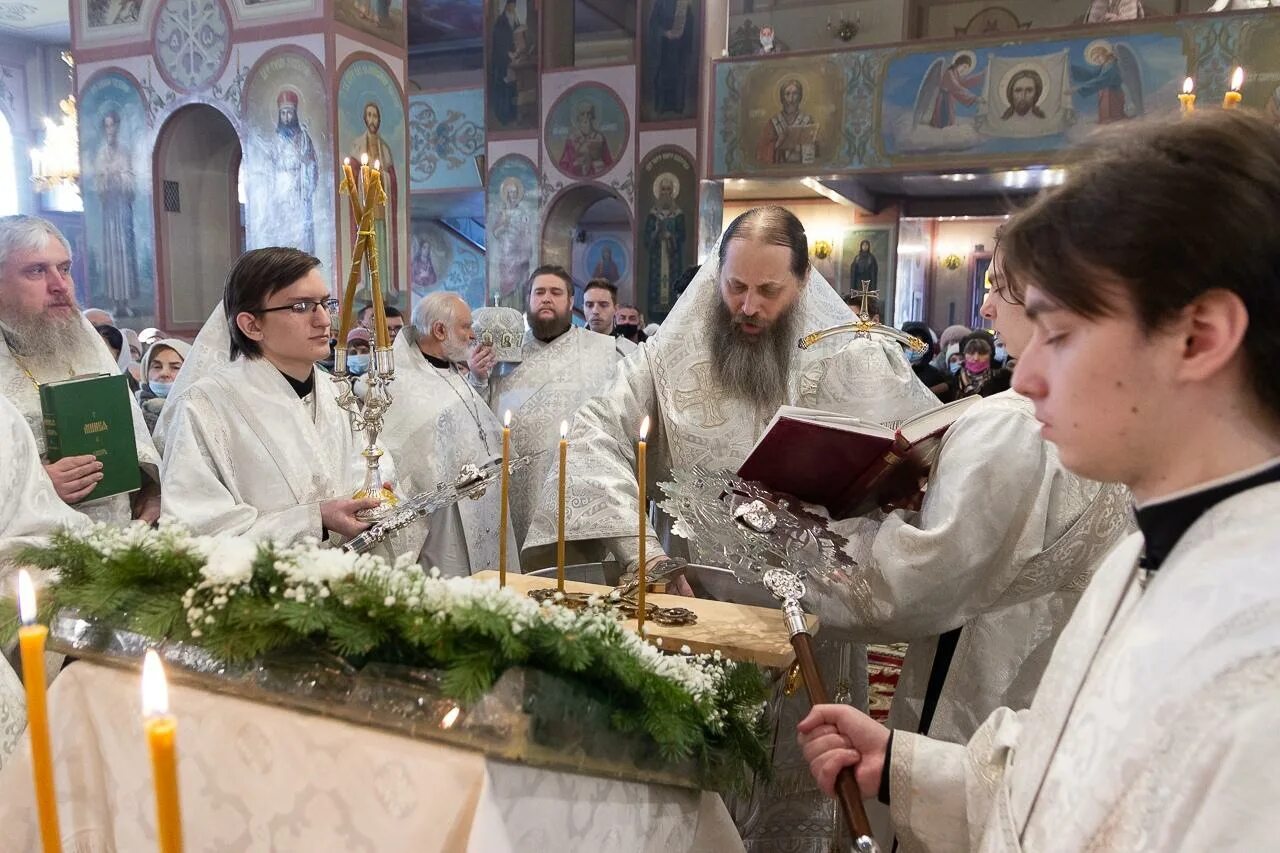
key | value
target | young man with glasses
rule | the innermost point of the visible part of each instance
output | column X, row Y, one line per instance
column 260, row 447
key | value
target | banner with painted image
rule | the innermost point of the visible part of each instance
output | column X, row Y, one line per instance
column 667, row 189
column 1026, row 96
column 371, row 122
column 289, row 180
column 115, row 184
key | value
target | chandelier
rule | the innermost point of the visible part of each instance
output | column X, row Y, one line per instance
column 57, row 162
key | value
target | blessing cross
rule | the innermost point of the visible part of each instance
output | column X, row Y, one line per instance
column 866, row 293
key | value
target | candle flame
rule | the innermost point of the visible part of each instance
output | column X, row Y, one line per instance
column 1188, row 86
column 447, row 721
column 155, row 690
column 377, row 164
column 1237, row 79
column 364, row 159
column 346, row 161
column 564, row 430
column 644, row 427
column 26, row 598
column 506, row 418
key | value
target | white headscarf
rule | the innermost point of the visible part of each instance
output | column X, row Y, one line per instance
column 210, row 353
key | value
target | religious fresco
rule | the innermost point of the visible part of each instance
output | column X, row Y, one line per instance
column 289, row 177
column 1260, row 56
column 512, row 228
column 669, row 65
column 668, row 215
column 192, row 42
column 115, row 185
column 710, row 217
column 440, row 260
column 511, row 75
column 114, row 19
column 867, row 260
column 371, row 121
column 446, row 132
column 383, row 19
column 607, row 258
column 1026, row 97
column 586, row 131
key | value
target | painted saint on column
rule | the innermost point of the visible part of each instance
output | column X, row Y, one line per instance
column 371, row 143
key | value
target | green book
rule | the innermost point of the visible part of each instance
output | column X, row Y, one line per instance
column 92, row 415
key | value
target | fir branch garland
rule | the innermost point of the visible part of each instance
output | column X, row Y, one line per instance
column 240, row 600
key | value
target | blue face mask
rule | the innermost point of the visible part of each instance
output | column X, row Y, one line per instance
column 955, row 367
column 160, row 389
column 914, row 357
column 358, row 363
column 1001, row 353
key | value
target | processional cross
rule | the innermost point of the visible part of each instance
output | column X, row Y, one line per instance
column 866, row 292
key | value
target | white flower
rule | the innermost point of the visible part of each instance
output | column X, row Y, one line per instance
column 230, row 561
column 389, row 601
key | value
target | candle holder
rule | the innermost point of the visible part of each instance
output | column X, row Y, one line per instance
column 366, row 411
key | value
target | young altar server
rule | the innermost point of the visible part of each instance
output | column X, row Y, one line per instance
column 983, row 579
column 259, row 446
column 1152, row 286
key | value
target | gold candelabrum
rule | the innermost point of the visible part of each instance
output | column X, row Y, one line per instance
column 367, row 196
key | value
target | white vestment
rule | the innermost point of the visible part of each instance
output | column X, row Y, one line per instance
column 696, row 421
column 22, row 392
column 1155, row 724
column 547, row 387
column 244, row 455
column 436, row 425
column 1002, row 548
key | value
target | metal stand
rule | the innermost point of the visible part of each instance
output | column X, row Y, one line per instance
column 368, row 419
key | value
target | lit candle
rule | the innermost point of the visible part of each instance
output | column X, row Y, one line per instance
column 564, row 455
column 506, row 487
column 162, row 730
column 346, row 317
column 31, row 639
column 641, row 469
column 1188, row 96
column 364, row 173
column 1231, row 99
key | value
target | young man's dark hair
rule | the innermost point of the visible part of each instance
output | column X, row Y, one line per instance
column 254, row 277
column 392, row 311
column 550, row 269
column 1103, row 239
column 602, row 284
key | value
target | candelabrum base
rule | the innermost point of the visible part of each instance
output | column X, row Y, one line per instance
column 387, row 505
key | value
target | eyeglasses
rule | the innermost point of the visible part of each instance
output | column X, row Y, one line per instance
column 305, row 306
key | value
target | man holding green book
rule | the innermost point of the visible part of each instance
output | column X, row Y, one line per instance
column 46, row 340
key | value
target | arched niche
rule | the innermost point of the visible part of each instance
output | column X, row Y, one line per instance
column 577, row 220
column 199, row 227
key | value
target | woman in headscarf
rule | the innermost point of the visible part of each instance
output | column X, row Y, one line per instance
column 938, row 381
column 162, row 361
column 977, row 351
column 114, row 339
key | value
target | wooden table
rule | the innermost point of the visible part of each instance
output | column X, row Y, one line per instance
column 738, row 631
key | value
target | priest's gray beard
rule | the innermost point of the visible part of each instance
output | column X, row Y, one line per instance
column 755, row 367
column 53, row 348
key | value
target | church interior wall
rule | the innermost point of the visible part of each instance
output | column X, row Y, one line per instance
column 971, row 241
column 803, row 24
column 441, row 259
column 979, row 17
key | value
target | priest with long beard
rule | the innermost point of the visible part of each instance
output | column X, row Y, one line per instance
column 259, row 447
column 439, row 424
column 47, row 340
column 710, row 383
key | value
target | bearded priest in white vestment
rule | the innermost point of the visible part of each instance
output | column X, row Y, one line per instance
column 563, row 365
column 47, row 340
column 260, row 447
column 726, row 360
column 437, row 425
column 981, row 581
column 1150, row 363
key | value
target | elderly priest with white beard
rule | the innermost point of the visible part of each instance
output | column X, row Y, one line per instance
column 47, row 340
column 726, row 360
column 439, row 424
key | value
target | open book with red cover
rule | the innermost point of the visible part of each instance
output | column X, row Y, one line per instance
column 841, row 462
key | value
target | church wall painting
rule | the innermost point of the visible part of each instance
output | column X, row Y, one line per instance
column 440, row 260
column 511, row 67
column 669, row 69
column 371, row 121
column 192, row 42
column 512, row 228
column 606, row 256
column 289, row 177
column 875, row 265
column 100, row 22
column 782, row 116
column 116, row 187
column 1260, row 57
column 586, row 131
column 1027, row 97
column 667, row 187
column 382, row 19
column 710, row 217
column 446, row 132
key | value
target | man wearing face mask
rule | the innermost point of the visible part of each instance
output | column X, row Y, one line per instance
column 439, row 424
column 921, row 363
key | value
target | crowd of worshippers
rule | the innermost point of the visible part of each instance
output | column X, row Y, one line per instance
column 1087, row 583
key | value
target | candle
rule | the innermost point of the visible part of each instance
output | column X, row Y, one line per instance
column 373, row 202
column 1231, row 99
column 641, row 469
column 162, row 732
column 364, row 174
column 1188, row 96
column 564, row 454
column 31, row 638
column 349, row 187
column 506, row 487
